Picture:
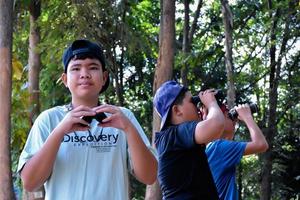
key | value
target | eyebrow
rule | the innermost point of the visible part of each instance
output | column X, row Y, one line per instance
column 89, row 64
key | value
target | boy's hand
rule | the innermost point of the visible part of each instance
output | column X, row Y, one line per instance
column 73, row 120
column 244, row 112
column 208, row 97
column 117, row 119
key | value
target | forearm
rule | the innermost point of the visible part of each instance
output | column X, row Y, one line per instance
column 37, row 170
column 258, row 141
column 143, row 161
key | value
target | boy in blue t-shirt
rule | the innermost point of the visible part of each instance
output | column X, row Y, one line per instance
column 182, row 173
column 225, row 154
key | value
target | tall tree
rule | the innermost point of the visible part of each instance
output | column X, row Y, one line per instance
column 163, row 71
column 228, row 27
column 6, row 187
column 185, row 41
column 274, row 80
column 34, row 65
column 34, row 60
column 188, row 34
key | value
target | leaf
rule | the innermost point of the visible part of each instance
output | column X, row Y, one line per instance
column 17, row 69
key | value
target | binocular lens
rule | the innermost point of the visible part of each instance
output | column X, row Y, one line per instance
column 99, row 117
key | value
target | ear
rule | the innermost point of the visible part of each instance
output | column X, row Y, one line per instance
column 105, row 76
column 176, row 110
column 64, row 79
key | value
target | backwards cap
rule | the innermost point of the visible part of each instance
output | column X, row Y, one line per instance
column 85, row 48
column 164, row 98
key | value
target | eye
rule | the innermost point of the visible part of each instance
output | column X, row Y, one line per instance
column 75, row 68
column 94, row 68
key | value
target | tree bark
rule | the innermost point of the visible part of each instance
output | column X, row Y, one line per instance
column 163, row 72
column 228, row 25
column 34, row 60
column 275, row 70
column 185, row 41
column 34, row 63
column 6, row 185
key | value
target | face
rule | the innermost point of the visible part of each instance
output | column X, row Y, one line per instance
column 229, row 126
column 85, row 78
column 187, row 110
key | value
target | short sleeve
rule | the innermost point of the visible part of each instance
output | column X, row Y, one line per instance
column 228, row 152
column 36, row 138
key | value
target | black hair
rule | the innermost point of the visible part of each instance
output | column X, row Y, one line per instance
column 88, row 55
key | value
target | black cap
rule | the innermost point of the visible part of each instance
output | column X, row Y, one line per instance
column 85, row 48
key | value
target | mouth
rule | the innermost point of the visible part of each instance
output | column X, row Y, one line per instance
column 85, row 84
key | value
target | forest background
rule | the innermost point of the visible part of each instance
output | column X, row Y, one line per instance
column 248, row 48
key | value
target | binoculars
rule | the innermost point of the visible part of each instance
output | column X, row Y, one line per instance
column 219, row 97
column 99, row 117
column 232, row 114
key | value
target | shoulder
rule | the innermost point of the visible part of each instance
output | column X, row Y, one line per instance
column 126, row 111
column 54, row 113
column 223, row 145
column 179, row 136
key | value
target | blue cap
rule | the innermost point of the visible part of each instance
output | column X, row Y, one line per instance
column 85, row 48
column 164, row 98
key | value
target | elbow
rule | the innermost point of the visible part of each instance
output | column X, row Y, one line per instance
column 150, row 180
column 28, row 186
column 263, row 147
column 150, row 177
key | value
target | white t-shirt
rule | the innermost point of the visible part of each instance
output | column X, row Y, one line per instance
column 89, row 165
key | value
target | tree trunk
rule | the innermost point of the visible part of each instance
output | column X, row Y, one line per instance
column 228, row 25
column 188, row 34
column 185, row 41
column 275, row 70
column 163, row 72
column 34, row 63
column 6, row 186
column 34, row 60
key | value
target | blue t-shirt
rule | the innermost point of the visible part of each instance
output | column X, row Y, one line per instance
column 183, row 170
column 223, row 157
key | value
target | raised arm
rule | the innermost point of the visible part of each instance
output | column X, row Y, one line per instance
column 212, row 127
column 258, row 141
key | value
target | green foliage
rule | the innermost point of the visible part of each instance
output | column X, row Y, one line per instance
column 129, row 33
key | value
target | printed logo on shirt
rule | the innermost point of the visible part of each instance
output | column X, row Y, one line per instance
column 100, row 142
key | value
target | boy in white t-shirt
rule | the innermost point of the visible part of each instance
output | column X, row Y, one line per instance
column 79, row 158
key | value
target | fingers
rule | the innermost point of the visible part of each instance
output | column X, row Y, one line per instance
column 73, row 120
column 243, row 111
column 107, row 108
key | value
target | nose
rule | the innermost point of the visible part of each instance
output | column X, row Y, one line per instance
column 85, row 73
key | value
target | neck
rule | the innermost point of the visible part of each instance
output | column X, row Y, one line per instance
column 89, row 103
column 227, row 136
